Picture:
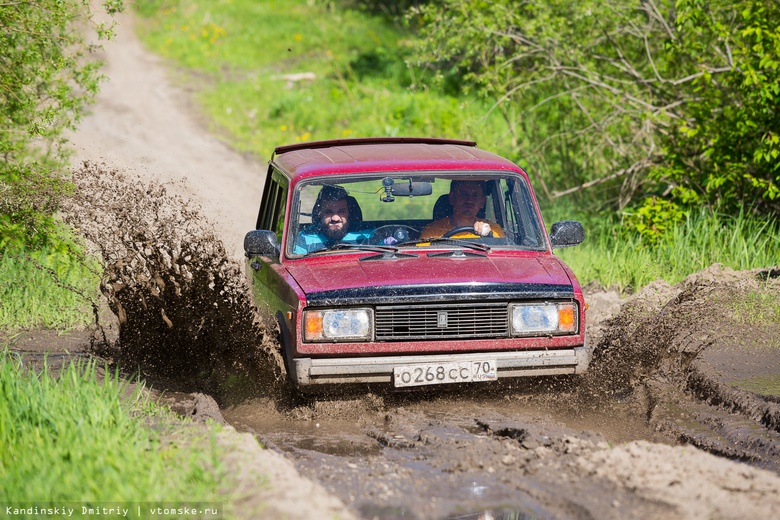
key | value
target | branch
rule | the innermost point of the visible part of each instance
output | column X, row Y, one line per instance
column 656, row 13
column 588, row 184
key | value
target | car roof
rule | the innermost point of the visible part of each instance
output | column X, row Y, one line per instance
column 385, row 154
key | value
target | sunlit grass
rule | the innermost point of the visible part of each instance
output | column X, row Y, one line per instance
column 35, row 290
column 613, row 256
column 355, row 84
column 72, row 437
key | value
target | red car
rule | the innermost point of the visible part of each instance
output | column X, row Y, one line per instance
column 412, row 261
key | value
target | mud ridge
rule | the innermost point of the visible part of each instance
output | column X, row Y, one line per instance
column 761, row 409
column 670, row 349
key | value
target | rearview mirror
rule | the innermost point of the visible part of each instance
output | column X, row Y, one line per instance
column 412, row 189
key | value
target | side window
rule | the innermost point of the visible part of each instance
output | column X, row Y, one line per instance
column 274, row 204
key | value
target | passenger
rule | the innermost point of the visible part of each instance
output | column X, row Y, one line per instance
column 467, row 199
column 330, row 222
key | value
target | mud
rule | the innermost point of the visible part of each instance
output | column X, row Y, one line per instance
column 184, row 316
column 629, row 439
column 661, row 407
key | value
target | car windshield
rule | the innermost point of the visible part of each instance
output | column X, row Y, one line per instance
column 420, row 211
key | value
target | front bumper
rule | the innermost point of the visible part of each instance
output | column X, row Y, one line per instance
column 311, row 371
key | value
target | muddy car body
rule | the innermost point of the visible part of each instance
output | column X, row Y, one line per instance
column 384, row 305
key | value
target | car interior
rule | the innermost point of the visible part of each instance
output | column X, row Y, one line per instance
column 404, row 207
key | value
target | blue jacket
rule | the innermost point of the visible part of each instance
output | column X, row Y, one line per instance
column 311, row 239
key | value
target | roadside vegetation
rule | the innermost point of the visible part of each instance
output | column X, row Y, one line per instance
column 48, row 76
column 661, row 136
column 46, row 288
column 654, row 125
column 73, row 436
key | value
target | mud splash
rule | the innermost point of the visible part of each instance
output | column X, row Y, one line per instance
column 185, row 316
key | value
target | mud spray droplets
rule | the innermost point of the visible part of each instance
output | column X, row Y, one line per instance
column 183, row 308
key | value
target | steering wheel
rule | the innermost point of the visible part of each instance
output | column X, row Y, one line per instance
column 389, row 230
column 460, row 229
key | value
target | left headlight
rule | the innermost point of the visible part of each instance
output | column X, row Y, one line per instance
column 337, row 324
column 532, row 319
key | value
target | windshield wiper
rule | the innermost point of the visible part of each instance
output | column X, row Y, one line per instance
column 452, row 241
column 358, row 247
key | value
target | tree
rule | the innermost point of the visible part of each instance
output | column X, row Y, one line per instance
column 648, row 97
column 47, row 77
column 726, row 150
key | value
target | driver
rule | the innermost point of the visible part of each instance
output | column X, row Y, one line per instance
column 467, row 199
column 330, row 222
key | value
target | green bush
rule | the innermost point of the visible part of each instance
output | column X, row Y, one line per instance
column 46, row 80
column 47, row 288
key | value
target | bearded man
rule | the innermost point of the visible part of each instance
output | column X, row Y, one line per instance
column 330, row 222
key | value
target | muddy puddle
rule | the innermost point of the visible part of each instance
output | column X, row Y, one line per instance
column 457, row 455
column 655, row 429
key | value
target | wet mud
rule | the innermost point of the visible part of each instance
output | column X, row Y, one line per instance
column 663, row 425
column 184, row 317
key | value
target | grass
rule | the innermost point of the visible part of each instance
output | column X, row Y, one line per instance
column 362, row 87
column 31, row 297
column 615, row 257
column 360, row 83
column 73, row 438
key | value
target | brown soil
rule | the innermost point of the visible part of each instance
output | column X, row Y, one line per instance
column 678, row 417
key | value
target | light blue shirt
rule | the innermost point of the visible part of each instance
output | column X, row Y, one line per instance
column 310, row 240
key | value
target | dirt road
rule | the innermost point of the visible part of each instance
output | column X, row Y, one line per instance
column 665, row 426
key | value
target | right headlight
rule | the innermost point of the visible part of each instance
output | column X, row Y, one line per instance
column 538, row 319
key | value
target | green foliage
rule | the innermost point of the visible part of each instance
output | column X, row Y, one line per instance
column 634, row 98
column 72, row 438
column 614, row 254
column 654, row 218
column 727, row 147
column 46, row 79
column 574, row 81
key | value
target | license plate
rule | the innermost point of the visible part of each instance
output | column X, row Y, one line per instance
column 441, row 373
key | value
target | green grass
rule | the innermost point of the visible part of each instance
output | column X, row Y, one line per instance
column 615, row 257
column 73, row 438
column 362, row 87
column 31, row 297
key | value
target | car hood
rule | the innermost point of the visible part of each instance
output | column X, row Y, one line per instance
column 344, row 275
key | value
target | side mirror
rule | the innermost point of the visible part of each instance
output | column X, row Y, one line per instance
column 261, row 242
column 566, row 233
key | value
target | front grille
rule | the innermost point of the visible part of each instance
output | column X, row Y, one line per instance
column 441, row 321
